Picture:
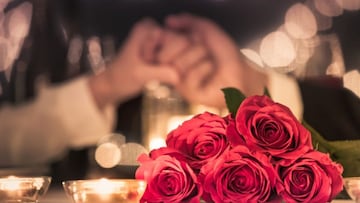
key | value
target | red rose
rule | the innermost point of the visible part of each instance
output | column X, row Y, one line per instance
column 168, row 179
column 234, row 137
column 311, row 178
column 271, row 127
column 201, row 139
column 239, row 176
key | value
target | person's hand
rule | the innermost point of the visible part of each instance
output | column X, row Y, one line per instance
column 180, row 51
column 133, row 67
column 220, row 66
column 171, row 47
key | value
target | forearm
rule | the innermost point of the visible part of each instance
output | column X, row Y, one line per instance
column 60, row 118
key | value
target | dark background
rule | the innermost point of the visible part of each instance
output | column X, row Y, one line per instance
column 245, row 20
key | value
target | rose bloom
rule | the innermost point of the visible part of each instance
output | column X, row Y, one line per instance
column 168, row 179
column 239, row 176
column 234, row 137
column 270, row 127
column 311, row 178
column 202, row 139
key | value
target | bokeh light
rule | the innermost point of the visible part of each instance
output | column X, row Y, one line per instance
column 277, row 50
column 300, row 22
column 351, row 5
column 108, row 155
column 323, row 22
column 328, row 7
column 253, row 56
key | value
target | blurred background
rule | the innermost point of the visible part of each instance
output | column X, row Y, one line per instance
column 303, row 38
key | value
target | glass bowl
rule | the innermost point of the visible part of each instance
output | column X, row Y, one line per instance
column 352, row 187
column 105, row 190
column 23, row 189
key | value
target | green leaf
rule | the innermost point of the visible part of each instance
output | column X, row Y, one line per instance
column 233, row 98
column 267, row 93
column 318, row 141
column 344, row 152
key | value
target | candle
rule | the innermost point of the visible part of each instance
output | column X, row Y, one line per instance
column 105, row 190
column 23, row 189
column 157, row 142
column 177, row 120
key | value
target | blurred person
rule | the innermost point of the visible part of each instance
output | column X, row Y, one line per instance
column 197, row 83
column 70, row 114
column 329, row 107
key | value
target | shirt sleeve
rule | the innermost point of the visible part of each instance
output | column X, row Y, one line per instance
column 351, row 81
column 61, row 117
column 285, row 90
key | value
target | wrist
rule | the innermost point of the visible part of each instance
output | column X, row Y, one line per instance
column 256, row 80
column 100, row 88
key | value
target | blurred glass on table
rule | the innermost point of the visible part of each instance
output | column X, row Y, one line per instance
column 160, row 104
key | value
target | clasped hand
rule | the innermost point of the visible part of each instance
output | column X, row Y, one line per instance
column 191, row 53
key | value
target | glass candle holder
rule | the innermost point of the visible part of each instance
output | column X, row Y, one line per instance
column 160, row 103
column 105, row 190
column 23, row 189
column 352, row 187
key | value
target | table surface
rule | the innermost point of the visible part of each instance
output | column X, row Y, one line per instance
column 55, row 196
column 59, row 196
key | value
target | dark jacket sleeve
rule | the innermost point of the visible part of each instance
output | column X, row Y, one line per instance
column 331, row 109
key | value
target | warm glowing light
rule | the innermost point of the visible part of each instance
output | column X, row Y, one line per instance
column 23, row 189
column 352, row 81
column 300, row 22
column 75, row 50
column 323, row 22
column 104, row 186
column 351, row 5
column 131, row 151
column 107, row 155
column 328, row 7
column 277, row 50
column 105, row 190
column 158, row 90
column 11, row 184
column 95, row 55
column 157, row 142
column 175, row 121
column 253, row 56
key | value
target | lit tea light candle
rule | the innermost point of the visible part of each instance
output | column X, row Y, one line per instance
column 23, row 189
column 157, row 142
column 12, row 183
column 175, row 121
column 105, row 190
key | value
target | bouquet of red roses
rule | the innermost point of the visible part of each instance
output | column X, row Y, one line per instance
column 258, row 153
